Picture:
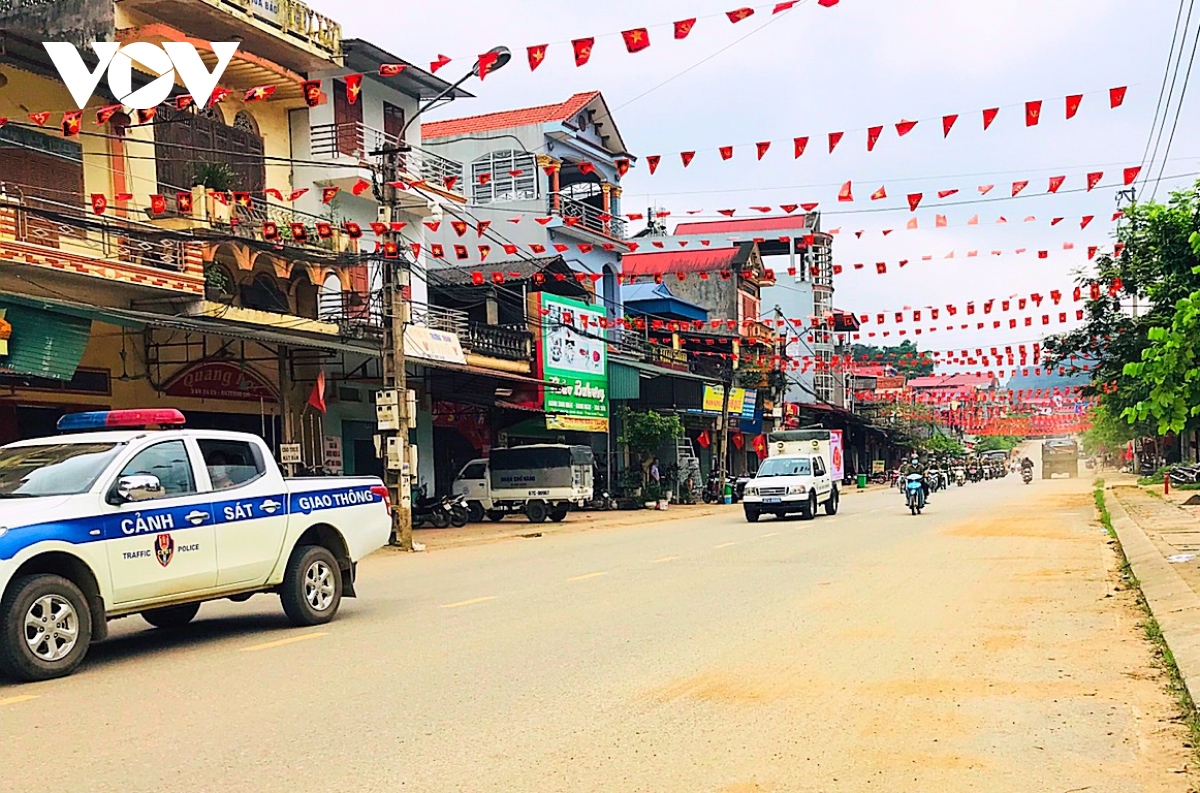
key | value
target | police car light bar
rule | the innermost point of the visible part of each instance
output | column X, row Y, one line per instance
column 120, row 419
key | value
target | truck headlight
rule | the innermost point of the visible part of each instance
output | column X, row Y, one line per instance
column 753, row 491
column 797, row 490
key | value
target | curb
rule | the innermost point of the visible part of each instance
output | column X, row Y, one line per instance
column 1172, row 602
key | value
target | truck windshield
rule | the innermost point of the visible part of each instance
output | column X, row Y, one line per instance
column 785, row 466
column 58, row 469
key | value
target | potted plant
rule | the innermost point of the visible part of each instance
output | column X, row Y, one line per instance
column 209, row 178
column 216, row 284
column 652, row 495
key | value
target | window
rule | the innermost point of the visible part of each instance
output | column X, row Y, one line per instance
column 784, row 466
column 474, row 471
column 510, row 176
column 818, row 467
column 348, row 122
column 748, row 306
column 53, row 469
column 169, row 462
column 231, row 463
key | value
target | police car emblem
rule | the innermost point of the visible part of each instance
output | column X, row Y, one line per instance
column 164, row 549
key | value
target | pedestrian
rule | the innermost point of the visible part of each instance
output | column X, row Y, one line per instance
column 654, row 474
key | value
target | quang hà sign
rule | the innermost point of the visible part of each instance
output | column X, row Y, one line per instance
column 573, row 353
column 221, row 380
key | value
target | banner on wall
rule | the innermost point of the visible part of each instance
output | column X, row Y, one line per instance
column 715, row 394
column 837, row 458
column 573, row 353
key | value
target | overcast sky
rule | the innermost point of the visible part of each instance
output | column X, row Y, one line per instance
column 861, row 63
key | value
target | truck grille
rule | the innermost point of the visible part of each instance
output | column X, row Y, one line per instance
column 772, row 491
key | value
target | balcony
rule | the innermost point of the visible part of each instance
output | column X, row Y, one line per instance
column 68, row 240
column 354, row 142
column 580, row 215
column 287, row 32
column 497, row 341
column 361, row 315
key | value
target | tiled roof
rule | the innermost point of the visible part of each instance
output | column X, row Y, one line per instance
column 683, row 261
column 505, row 119
column 747, row 226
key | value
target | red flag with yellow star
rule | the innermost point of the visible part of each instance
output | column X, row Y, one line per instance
column 353, row 87
column 537, row 54
column 258, row 93
column 636, row 39
column 71, row 121
column 739, row 14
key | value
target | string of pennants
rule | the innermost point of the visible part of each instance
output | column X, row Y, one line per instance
column 1094, row 292
column 881, row 268
column 634, row 39
column 799, row 145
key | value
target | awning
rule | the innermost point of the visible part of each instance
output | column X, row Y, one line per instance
column 482, row 371
column 44, row 343
column 213, row 326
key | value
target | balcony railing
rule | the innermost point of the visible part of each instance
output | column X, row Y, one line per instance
column 356, row 141
column 438, row 318
column 581, row 215
column 497, row 341
column 70, row 230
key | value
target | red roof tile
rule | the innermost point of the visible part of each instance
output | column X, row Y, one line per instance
column 679, row 262
column 508, row 118
column 778, row 223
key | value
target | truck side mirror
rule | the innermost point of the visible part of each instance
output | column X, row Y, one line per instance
column 141, row 487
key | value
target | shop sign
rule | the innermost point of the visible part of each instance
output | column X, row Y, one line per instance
column 433, row 345
column 877, row 466
column 714, row 395
column 749, row 403
column 573, row 353
column 289, row 454
column 331, row 454
column 669, row 358
column 221, row 380
column 837, row 462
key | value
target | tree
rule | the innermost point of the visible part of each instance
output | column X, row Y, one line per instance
column 906, row 358
column 1158, row 266
column 646, row 432
column 1108, row 433
column 997, row 443
column 943, row 445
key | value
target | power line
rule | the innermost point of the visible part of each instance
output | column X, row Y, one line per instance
column 1178, row 109
column 1178, row 59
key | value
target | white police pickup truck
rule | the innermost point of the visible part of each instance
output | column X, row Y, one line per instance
column 117, row 519
column 795, row 483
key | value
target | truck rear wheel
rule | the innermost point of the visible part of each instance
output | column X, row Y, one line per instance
column 312, row 586
column 45, row 628
column 171, row 617
column 495, row 516
column 559, row 515
column 831, row 506
column 537, row 511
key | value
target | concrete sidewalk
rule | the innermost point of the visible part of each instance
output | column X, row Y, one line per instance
column 516, row 527
column 1161, row 540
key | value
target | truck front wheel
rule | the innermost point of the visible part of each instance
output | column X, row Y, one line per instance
column 45, row 628
column 312, row 586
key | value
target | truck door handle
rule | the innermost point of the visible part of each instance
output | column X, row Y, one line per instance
column 196, row 517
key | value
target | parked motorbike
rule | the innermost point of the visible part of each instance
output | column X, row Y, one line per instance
column 714, row 490
column 460, row 513
column 602, row 501
column 914, row 493
column 436, row 511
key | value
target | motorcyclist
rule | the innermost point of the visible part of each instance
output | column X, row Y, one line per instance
column 914, row 466
column 1026, row 464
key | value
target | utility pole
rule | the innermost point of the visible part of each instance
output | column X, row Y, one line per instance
column 394, row 442
column 723, row 431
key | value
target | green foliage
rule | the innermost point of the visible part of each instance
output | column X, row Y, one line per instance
column 645, row 432
column 941, row 445
column 214, row 175
column 905, row 357
column 1108, row 433
column 652, row 491
column 997, row 443
column 1159, row 266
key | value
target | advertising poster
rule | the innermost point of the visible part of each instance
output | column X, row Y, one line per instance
column 837, row 460
column 715, row 394
column 573, row 352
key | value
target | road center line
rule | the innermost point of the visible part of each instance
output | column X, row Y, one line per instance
column 772, row 534
column 724, row 545
column 15, row 700
column 282, row 642
column 470, row 602
column 665, row 559
column 586, row 576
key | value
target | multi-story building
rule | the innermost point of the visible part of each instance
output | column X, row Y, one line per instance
column 157, row 260
column 541, row 180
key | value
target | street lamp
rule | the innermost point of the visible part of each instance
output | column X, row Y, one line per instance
column 498, row 57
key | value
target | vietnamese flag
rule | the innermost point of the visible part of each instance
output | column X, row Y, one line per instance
column 989, row 116
column 683, row 27
column 914, row 200
column 905, row 127
column 739, row 14
column 353, row 87
column 799, row 144
column 834, row 139
column 1073, row 103
column 258, row 93
column 71, row 121
column 846, row 193
column 316, row 399
column 879, row 194
column 686, row 157
column 583, row 49
column 636, row 39
column 762, row 147
column 948, row 124
column 1116, row 97
column 537, row 54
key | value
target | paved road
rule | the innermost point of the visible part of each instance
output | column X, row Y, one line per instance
column 979, row 647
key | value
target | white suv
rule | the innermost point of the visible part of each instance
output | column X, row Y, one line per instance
column 789, row 485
